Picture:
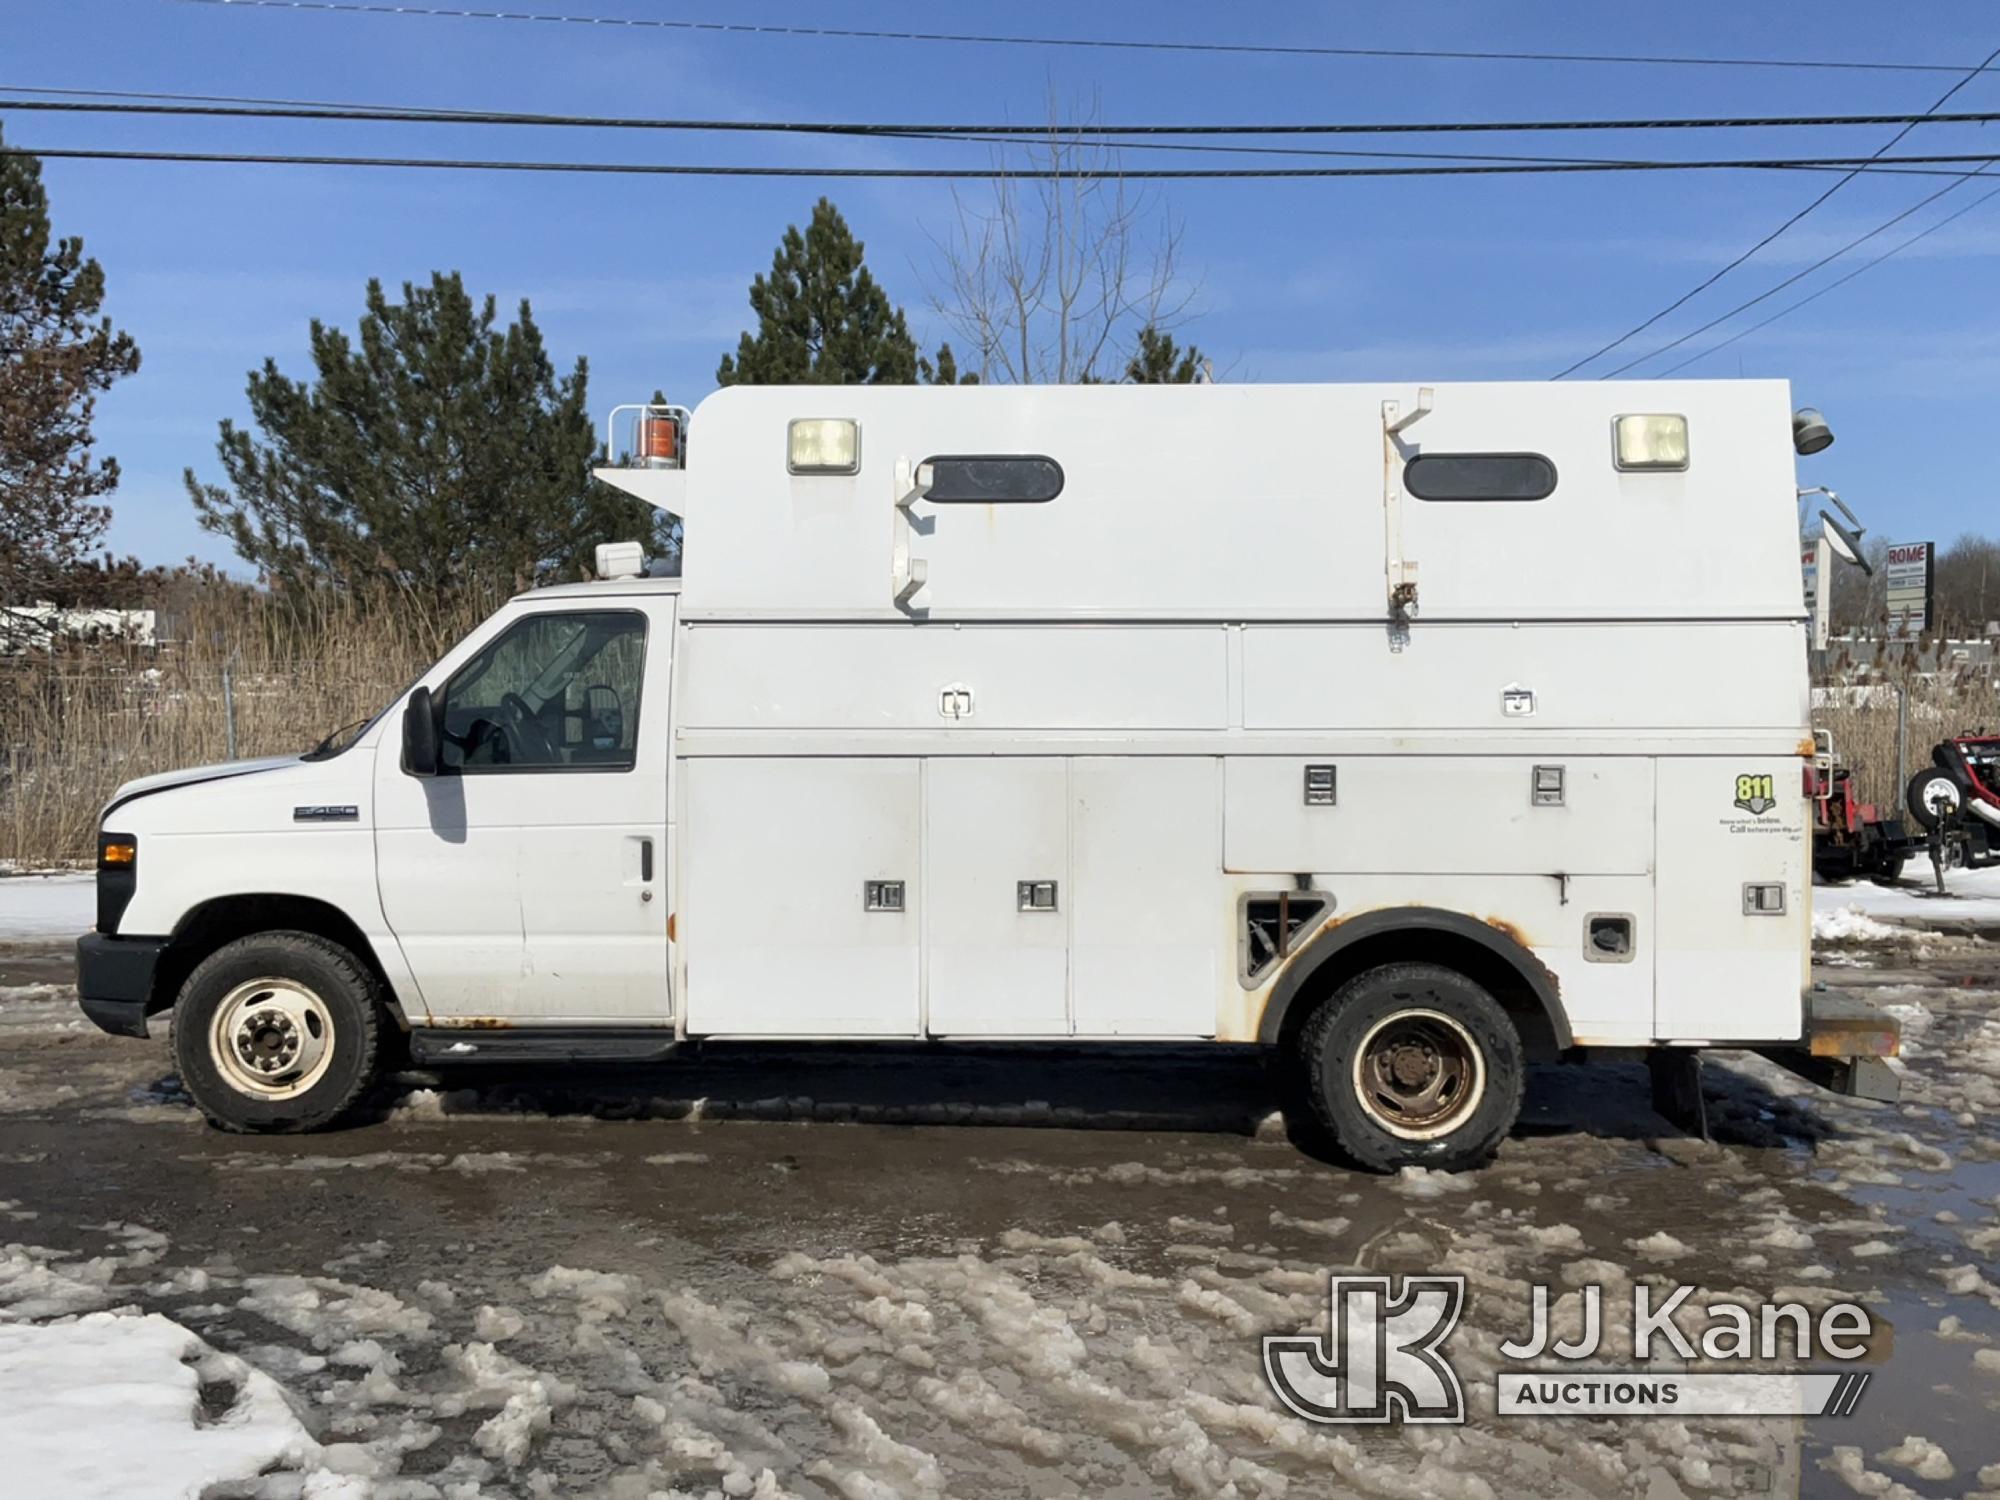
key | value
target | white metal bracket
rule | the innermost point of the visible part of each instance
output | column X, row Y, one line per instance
column 908, row 576
column 1400, row 571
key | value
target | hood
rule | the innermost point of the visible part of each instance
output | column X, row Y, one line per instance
column 194, row 774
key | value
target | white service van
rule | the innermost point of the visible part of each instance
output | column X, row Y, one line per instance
column 1412, row 733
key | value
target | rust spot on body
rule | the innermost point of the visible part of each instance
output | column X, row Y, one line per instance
column 474, row 1023
column 1508, row 930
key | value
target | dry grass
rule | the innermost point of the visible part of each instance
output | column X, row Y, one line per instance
column 74, row 725
column 1856, row 700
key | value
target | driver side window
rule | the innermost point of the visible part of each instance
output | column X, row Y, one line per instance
column 556, row 692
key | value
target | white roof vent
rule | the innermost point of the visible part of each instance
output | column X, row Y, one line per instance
column 620, row 560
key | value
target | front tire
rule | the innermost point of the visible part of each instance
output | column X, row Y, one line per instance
column 1413, row 1065
column 279, row 1032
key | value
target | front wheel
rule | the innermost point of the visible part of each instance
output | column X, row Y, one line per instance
column 1413, row 1065
column 278, row 1032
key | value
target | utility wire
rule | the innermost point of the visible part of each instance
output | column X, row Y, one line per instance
column 225, row 106
column 1796, row 276
column 1711, row 280
column 265, row 109
column 1255, row 49
column 1960, row 213
column 992, row 173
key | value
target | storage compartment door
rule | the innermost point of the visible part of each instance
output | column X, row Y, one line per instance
column 782, row 857
column 997, row 954
column 1152, row 920
column 1731, row 964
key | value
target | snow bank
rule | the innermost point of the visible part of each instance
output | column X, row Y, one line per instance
column 1849, row 924
column 109, row 1405
column 47, row 906
column 1970, row 896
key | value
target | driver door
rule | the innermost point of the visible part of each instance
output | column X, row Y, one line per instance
column 526, row 881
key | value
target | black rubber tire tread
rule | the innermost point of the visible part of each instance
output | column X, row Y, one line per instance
column 351, row 996
column 1918, row 809
column 1339, row 1023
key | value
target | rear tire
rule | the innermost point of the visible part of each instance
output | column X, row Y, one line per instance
column 279, row 1032
column 1413, row 1065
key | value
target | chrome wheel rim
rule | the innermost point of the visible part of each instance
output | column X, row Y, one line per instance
column 1419, row 1075
column 1940, row 795
column 271, row 1038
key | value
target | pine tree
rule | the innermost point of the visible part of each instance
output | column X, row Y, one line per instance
column 57, row 355
column 1158, row 360
column 436, row 452
column 822, row 318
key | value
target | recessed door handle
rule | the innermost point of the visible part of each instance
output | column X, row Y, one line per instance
column 646, row 860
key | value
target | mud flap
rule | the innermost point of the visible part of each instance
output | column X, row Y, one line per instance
column 1676, row 1075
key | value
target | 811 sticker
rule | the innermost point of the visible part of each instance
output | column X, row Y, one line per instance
column 1756, row 795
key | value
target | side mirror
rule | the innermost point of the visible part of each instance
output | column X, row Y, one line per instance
column 420, row 734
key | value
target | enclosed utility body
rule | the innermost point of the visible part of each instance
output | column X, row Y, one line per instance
column 1409, row 730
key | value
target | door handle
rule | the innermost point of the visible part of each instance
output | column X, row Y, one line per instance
column 646, row 860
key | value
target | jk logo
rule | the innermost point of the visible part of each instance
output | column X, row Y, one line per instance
column 1380, row 1361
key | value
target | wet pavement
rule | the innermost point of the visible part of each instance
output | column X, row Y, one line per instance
column 879, row 1271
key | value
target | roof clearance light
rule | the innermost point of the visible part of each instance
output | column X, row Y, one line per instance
column 1651, row 442
column 824, row 445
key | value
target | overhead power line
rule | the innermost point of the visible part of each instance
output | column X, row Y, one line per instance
column 1841, row 281
column 1797, row 276
column 59, row 153
column 252, row 108
column 1709, row 281
column 1121, row 44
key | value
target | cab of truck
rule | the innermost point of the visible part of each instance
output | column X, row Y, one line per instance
column 485, row 852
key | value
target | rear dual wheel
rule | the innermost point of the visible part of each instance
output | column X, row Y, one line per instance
column 1412, row 1065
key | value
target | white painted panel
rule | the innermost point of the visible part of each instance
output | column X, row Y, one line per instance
column 1605, row 676
column 1440, row 814
column 771, row 922
column 1152, row 927
column 991, row 968
column 1722, row 974
column 1227, row 501
column 890, row 677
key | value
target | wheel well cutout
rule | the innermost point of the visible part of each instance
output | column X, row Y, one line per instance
column 1489, row 970
column 224, row 920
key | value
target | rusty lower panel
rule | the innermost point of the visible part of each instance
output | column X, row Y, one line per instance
column 473, row 1023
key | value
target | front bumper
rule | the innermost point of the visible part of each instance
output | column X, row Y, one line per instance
column 114, row 980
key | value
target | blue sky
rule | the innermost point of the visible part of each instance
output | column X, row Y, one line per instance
column 213, row 268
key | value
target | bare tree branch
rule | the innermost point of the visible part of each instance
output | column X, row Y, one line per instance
column 1054, row 286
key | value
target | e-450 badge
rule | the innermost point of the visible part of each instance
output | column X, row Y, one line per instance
column 1756, row 794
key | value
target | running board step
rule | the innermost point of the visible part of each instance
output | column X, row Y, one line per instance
column 431, row 1046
